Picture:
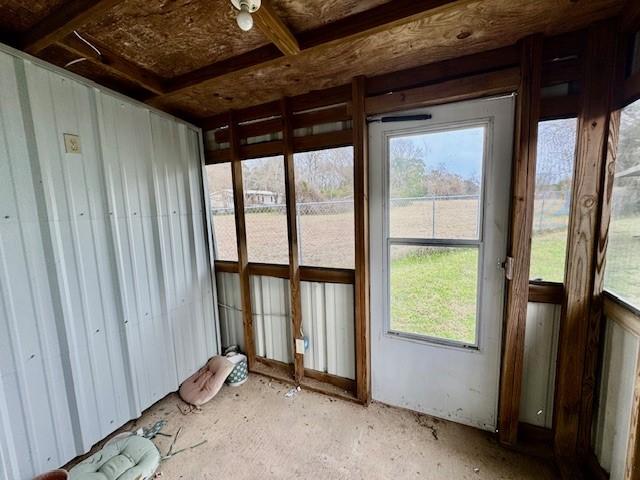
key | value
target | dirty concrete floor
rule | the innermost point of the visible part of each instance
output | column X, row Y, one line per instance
column 255, row 432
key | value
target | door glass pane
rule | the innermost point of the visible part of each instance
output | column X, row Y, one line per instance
column 435, row 182
column 265, row 210
column 434, row 291
column 324, row 205
column 222, row 211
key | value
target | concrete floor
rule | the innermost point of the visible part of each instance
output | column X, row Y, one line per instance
column 255, row 432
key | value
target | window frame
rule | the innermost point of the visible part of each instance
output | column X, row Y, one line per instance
column 477, row 243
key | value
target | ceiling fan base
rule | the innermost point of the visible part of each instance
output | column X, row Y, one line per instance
column 252, row 4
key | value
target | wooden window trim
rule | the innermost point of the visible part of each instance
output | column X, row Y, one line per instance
column 523, row 185
column 241, row 238
column 588, row 225
column 546, row 292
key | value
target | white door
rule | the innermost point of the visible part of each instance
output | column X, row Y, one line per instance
column 439, row 202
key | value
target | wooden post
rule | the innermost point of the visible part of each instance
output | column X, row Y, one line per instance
column 596, row 318
column 523, row 185
column 361, row 197
column 585, row 245
column 241, row 237
column 292, row 232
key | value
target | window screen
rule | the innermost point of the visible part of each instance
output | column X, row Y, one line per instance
column 622, row 271
column 324, row 207
column 554, row 175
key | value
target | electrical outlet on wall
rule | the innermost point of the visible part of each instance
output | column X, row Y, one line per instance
column 300, row 346
column 71, row 143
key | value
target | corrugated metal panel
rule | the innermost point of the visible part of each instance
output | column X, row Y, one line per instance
column 613, row 418
column 327, row 318
column 106, row 297
column 539, row 371
column 230, row 308
column 328, row 323
column 271, row 318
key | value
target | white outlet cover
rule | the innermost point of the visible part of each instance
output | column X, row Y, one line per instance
column 300, row 345
column 71, row 143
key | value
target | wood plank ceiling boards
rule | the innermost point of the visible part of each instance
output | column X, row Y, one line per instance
column 191, row 59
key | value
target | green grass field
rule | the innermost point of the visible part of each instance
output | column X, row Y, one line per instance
column 433, row 293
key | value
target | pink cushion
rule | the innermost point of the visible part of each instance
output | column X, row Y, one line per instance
column 203, row 385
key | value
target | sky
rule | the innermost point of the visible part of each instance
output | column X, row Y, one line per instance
column 461, row 151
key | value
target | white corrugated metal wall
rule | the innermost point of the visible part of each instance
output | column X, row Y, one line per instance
column 328, row 323
column 327, row 320
column 271, row 318
column 613, row 416
column 539, row 369
column 106, row 298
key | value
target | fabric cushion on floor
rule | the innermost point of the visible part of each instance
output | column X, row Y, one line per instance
column 203, row 385
column 123, row 458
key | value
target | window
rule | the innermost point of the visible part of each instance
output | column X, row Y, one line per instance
column 324, row 207
column 554, row 175
column 622, row 271
column 222, row 211
column 434, row 195
column 435, row 189
column 265, row 210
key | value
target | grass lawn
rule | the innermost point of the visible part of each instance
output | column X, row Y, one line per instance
column 433, row 292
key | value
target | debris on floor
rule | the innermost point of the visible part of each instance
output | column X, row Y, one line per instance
column 172, row 453
column 153, row 430
column 292, row 393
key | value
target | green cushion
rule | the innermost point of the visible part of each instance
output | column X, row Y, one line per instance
column 128, row 458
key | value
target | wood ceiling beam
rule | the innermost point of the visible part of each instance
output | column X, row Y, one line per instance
column 375, row 20
column 62, row 22
column 113, row 62
column 272, row 26
column 369, row 22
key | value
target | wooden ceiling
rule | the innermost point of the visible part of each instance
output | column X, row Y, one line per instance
column 190, row 58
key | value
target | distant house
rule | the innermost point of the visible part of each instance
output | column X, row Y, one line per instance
column 224, row 198
column 261, row 197
column 221, row 198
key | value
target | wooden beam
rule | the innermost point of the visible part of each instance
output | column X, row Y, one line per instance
column 438, row 72
column 584, row 235
column 292, row 234
column 369, row 22
column 112, row 62
column 375, row 20
column 596, row 318
column 226, row 266
column 241, row 236
column 63, row 21
column 340, row 382
column 467, row 88
column 361, row 196
column 340, row 138
column 259, row 57
column 554, row 108
column 523, row 186
column 546, row 292
column 269, row 270
column 327, row 275
column 272, row 26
